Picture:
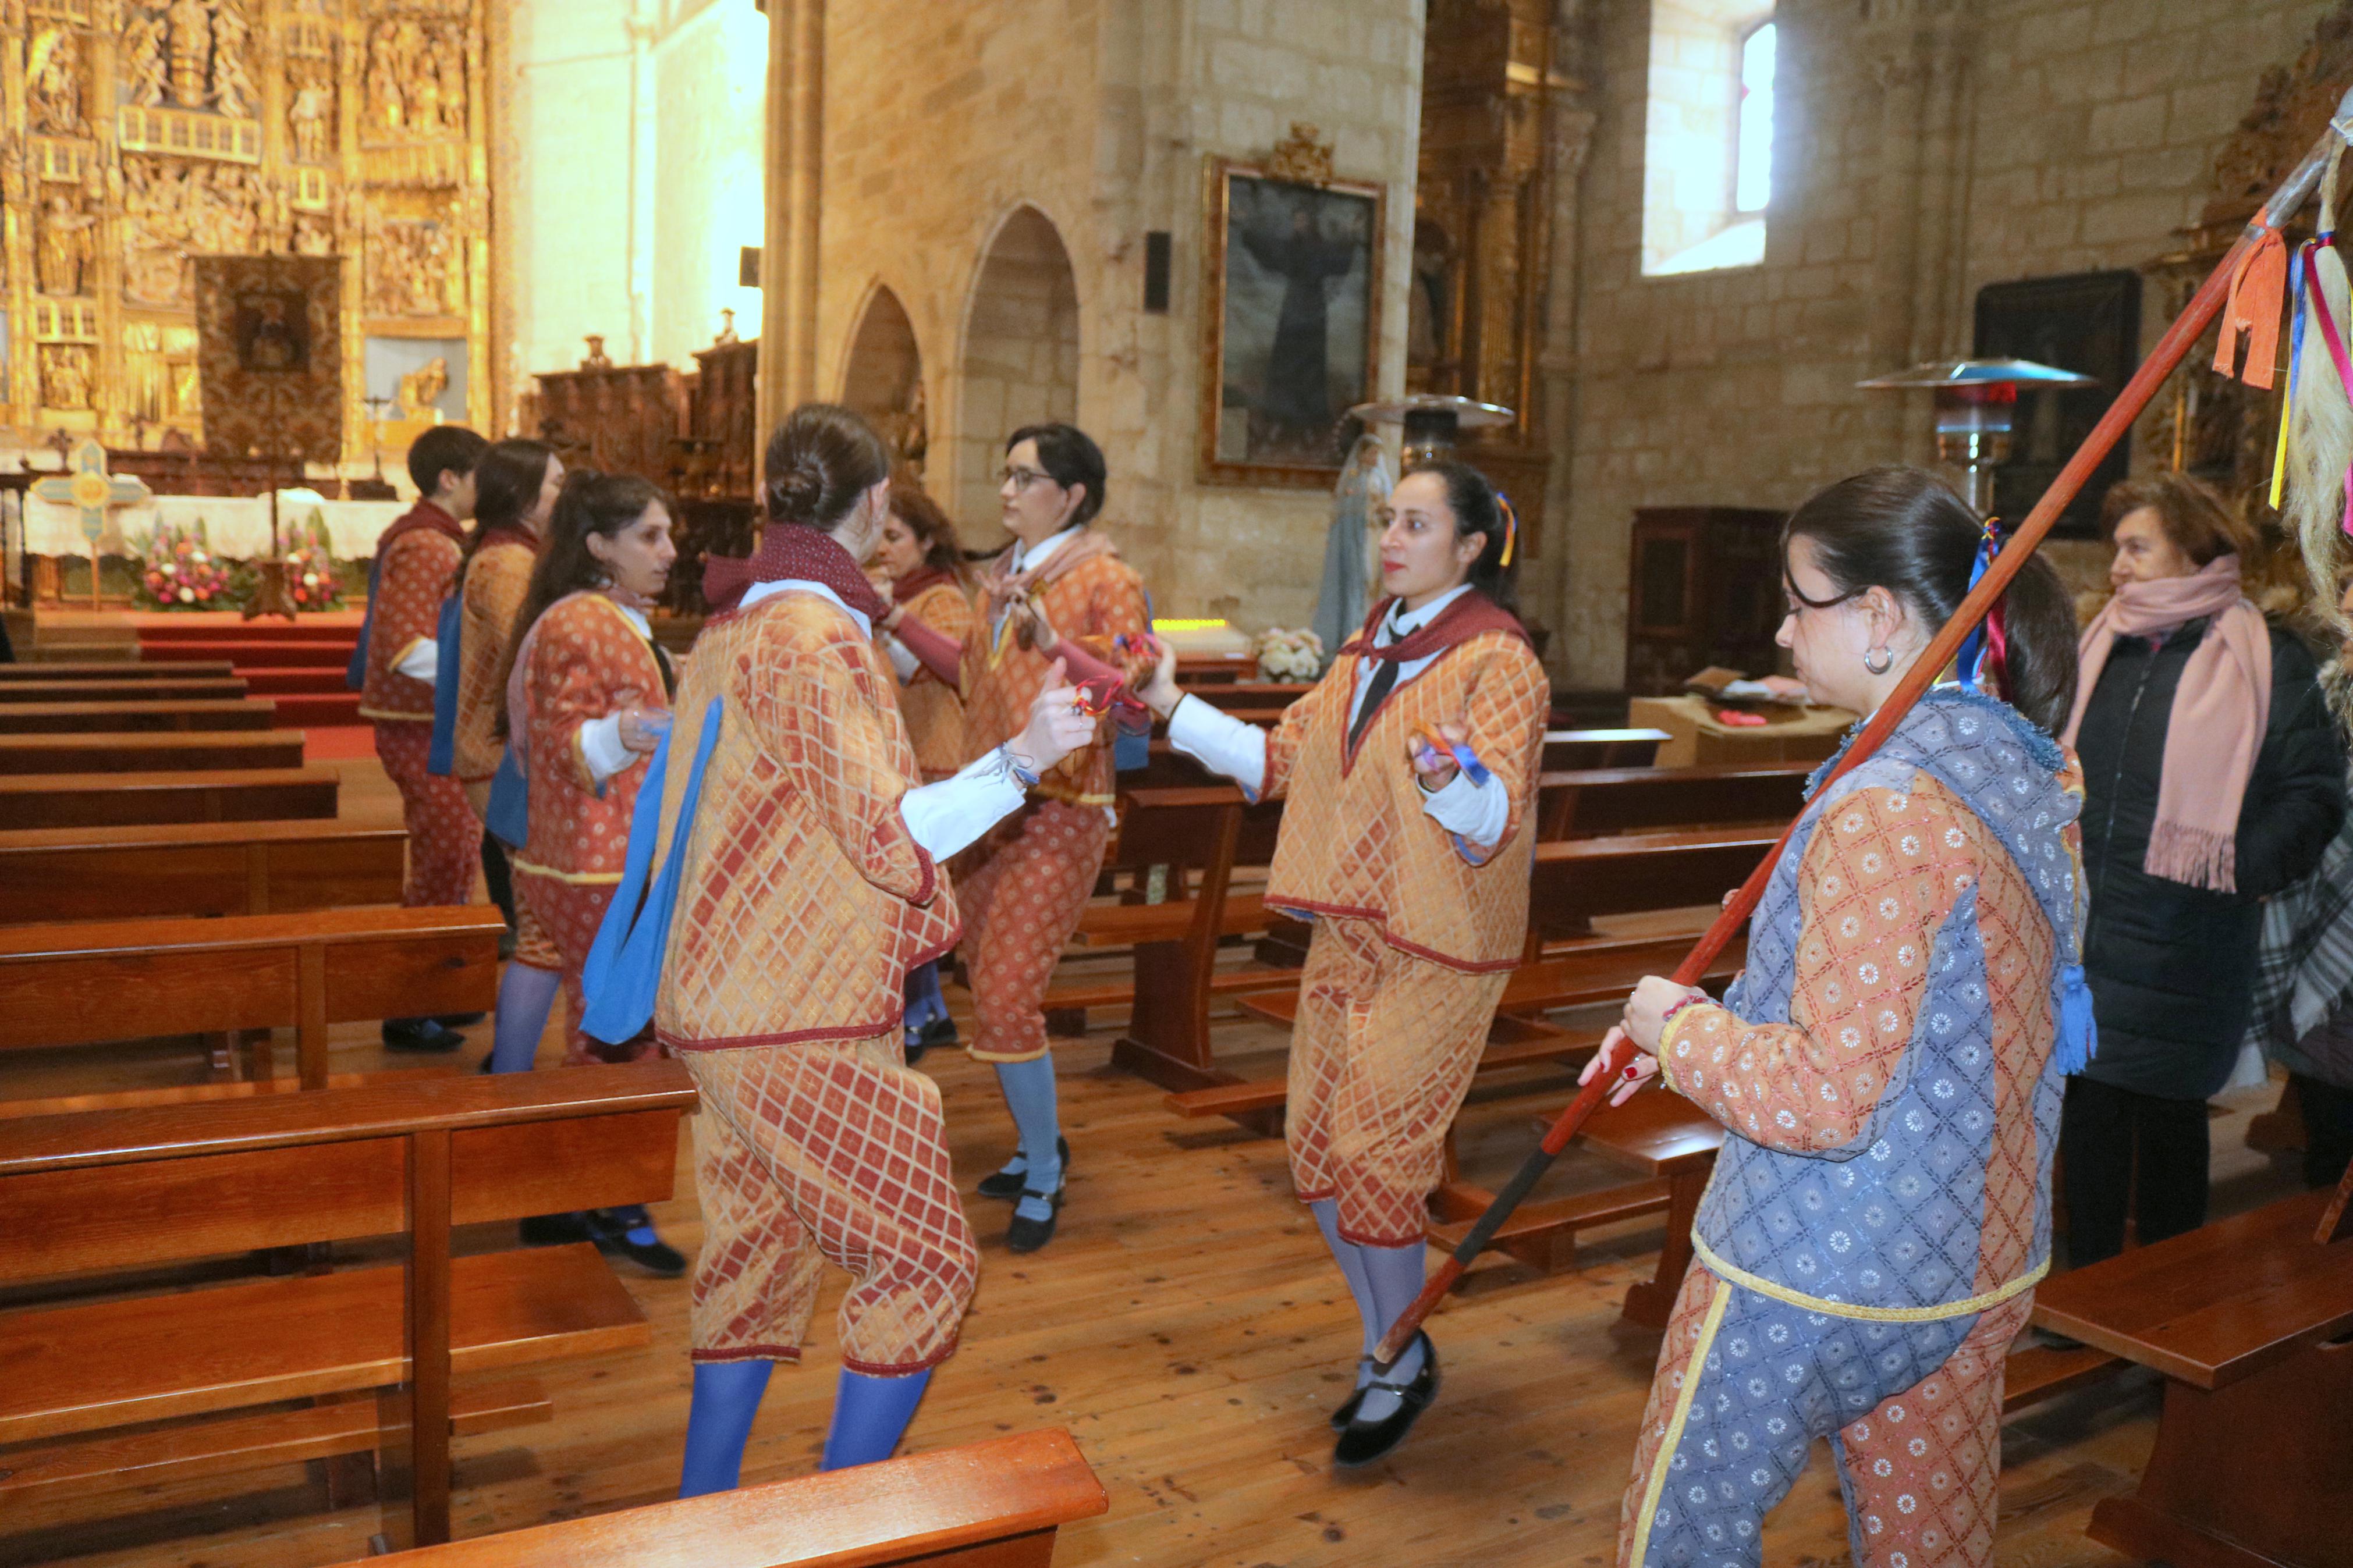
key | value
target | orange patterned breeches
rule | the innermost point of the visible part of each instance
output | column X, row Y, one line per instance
column 445, row 837
column 556, row 925
column 809, row 1153
column 1380, row 1059
column 1746, row 1383
column 1021, row 890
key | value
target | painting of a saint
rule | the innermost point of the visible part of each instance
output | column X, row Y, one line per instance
column 272, row 332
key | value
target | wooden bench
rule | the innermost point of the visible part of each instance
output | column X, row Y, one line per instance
column 996, row 1503
column 114, row 673
column 1593, row 802
column 2247, row 1319
column 175, row 688
column 374, row 1349
column 71, row 718
column 1572, row 749
column 151, row 752
column 154, row 871
column 114, row 800
column 99, row 982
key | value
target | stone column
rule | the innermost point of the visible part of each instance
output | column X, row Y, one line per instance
column 1569, row 136
column 788, row 254
column 1915, row 49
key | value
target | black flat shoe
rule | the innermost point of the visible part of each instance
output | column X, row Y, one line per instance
column 1348, row 1411
column 1028, row 1235
column 1007, row 1186
column 658, row 1258
column 425, row 1035
column 554, row 1229
column 1362, row 1442
column 940, row 1033
column 461, row 1020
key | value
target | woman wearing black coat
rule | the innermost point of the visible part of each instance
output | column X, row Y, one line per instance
column 2213, row 777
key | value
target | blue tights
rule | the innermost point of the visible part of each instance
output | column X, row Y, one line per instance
column 869, row 1416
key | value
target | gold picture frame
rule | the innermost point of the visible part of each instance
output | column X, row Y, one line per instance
column 1291, row 257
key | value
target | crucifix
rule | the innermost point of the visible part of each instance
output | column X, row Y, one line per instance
column 89, row 489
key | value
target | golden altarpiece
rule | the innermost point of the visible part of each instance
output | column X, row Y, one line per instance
column 136, row 134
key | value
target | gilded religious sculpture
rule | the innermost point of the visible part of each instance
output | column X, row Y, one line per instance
column 416, row 80
column 67, row 248
column 140, row 58
column 311, row 109
column 65, row 375
column 411, row 269
column 53, row 83
column 232, row 91
column 421, row 388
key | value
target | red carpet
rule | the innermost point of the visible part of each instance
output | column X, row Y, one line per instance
column 338, row 742
column 299, row 666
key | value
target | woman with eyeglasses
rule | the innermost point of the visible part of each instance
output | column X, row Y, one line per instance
column 1024, row 886
column 1410, row 772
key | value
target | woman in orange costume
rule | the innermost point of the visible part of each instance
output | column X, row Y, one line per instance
column 1410, row 771
column 1024, row 887
column 920, row 556
column 584, row 697
column 415, row 563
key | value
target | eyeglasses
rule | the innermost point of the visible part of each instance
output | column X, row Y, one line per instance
column 1019, row 478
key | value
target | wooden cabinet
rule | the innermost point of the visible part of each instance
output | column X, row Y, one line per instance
column 1703, row 587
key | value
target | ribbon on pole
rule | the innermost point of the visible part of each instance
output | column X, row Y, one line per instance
column 2261, row 238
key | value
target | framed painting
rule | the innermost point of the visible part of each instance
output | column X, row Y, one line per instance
column 1290, row 321
column 2088, row 322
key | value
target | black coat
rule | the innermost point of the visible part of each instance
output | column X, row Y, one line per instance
column 2172, row 967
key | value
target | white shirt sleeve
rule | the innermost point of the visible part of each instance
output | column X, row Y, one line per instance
column 944, row 817
column 422, row 662
column 1475, row 812
column 1219, row 740
column 901, row 660
column 601, row 747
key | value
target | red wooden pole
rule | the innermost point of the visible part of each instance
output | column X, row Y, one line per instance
column 2170, row 350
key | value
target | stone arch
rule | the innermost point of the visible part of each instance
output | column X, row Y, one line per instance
column 1020, row 361
column 884, row 375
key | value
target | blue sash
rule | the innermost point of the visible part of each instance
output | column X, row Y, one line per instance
column 440, row 757
column 508, row 815
column 355, row 672
column 623, row 972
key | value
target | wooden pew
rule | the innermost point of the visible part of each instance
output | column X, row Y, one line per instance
column 1567, row 749
column 155, row 870
column 374, row 1349
column 115, row 672
column 175, row 688
column 2246, row 1318
column 1591, row 803
column 155, row 752
column 991, row 1504
column 111, row 800
column 71, row 718
column 94, row 983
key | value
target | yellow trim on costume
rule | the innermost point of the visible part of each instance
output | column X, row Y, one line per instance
column 1961, row 1308
column 1071, row 796
column 425, row 717
column 1694, row 1367
column 578, row 879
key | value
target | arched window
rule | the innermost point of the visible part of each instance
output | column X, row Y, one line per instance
column 1708, row 174
column 1752, row 151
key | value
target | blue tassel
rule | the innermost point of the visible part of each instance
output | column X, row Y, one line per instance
column 2078, row 1034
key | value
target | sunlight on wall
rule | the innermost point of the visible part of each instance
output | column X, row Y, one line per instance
column 1707, row 173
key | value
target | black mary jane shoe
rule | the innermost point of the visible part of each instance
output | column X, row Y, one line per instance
column 610, row 1232
column 1007, row 1186
column 1362, row 1442
column 1348, row 1411
column 938, row 1034
column 1025, row 1234
column 423, row 1036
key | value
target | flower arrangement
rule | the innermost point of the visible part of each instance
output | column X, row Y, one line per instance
column 1288, row 654
column 310, row 573
column 181, row 572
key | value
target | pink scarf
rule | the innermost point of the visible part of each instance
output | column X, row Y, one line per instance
column 2219, row 712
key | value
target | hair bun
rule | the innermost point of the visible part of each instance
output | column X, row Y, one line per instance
column 797, row 492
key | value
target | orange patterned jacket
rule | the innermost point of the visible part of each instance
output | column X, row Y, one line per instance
column 1356, row 841
column 934, row 709
column 584, row 659
column 411, row 580
column 495, row 581
column 803, row 899
column 1090, row 595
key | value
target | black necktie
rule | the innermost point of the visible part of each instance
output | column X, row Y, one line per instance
column 1383, row 680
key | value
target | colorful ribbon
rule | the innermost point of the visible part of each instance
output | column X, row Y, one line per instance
column 1986, row 651
column 2258, row 290
column 2335, row 342
column 1430, row 745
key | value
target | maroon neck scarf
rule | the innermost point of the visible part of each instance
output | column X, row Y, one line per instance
column 424, row 514
column 1467, row 617
column 788, row 552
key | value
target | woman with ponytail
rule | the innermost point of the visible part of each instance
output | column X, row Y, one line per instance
column 1888, row 1069
column 798, row 881
column 1411, row 771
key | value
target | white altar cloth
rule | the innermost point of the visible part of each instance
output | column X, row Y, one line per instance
column 237, row 526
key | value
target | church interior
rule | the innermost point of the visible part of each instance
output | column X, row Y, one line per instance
column 331, row 1226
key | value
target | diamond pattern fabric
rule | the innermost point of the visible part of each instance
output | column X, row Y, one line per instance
column 581, row 660
column 1022, row 889
column 935, row 709
column 1745, row 1384
column 496, row 580
column 1096, row 599
column 413, row 576
column 803, row 899
column 826, row 1153
column 559, row 921
column 444, row 836
column 1356, row 841
column 1381, row 1058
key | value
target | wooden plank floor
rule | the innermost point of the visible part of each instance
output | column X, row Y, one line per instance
column 1188, row 1328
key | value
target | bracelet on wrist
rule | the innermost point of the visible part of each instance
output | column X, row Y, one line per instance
column 1668, row 1016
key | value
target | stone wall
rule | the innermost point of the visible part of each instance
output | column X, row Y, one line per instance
column 946, row 118
column 1923, row 148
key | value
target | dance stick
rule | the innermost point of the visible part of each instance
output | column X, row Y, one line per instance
column 2187, row 328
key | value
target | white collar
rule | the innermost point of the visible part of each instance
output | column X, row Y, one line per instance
column 1025, row 558
column 759, row 591
column 1400, row 623
column 635, row 616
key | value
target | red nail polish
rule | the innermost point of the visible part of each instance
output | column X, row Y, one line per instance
column 1630, row 1072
